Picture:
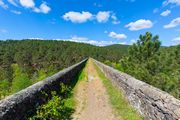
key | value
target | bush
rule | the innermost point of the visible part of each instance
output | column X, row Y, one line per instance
column 58, row 108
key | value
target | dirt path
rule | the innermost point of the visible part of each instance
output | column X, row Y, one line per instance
column 92, row 99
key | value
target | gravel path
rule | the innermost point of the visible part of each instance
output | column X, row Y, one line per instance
column 92, row 99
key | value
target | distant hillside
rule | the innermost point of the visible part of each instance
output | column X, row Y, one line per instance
column 24, row 62
column 122, row 49
column 79, row 50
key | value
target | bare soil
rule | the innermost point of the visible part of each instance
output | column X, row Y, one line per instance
column 92, row 99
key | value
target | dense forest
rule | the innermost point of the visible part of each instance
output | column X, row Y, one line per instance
column 25, row 62
column 148, row 61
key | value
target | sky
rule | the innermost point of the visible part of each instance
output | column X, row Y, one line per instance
column 98, row 22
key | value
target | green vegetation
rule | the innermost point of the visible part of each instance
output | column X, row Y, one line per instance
column 118, row 101
column 61, row 105
column 83, row 75
column 155, row 65
column 25, row 62
column 20, row 80
column 58, row 107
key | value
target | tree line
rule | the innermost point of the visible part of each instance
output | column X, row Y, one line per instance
column 25, row 62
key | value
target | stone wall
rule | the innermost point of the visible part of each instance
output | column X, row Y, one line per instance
column 151, row 102
column 16, row 106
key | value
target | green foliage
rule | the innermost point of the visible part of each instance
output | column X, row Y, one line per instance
column 40, row 75
column 20, row 80
column 58, row 107
column 157, row 66
column 4, row 88
column 37, row 59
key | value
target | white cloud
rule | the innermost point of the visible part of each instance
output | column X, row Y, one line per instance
column 176, row 39
column 89, row 41
column 167, row 2
column 139, row 25
column 117, row 36
column 83, row 40
column 16, row 12
column 27, row 3
column 165, row 13
column 103, row 16
column 84, row 16
column 75, row 38
column 77, row 17
column 3, row 5
column 43, row 9
column 173, row 23
column 13, row 2
column 114, row 19
column 36, row 38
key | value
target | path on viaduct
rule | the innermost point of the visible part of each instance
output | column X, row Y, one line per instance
column 94, row 95
column 92, row 98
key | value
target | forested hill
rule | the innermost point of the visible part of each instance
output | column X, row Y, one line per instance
column 25, row 62
column 64, row 51
column 118, row 48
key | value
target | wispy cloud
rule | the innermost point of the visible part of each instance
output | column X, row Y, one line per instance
column 16, row 12
column 174, row 2
column 166, row 13
column 13, row 2
column 174, row 23
column 3, row 5
column 93, row 42
column 114, row 19
column 176, row 39
column 139, row 25
column 117, row 36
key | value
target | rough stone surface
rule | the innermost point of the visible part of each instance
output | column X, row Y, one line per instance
column 151, row 102
column 16, row 106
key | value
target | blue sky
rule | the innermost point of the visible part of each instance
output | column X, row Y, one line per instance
column 99, row 22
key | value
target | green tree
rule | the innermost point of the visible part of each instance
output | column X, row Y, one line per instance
column 156, row 65
column 21, row 79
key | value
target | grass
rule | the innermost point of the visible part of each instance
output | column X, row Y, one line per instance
column 71, row 102
column 82, row 77
column 118, row 101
